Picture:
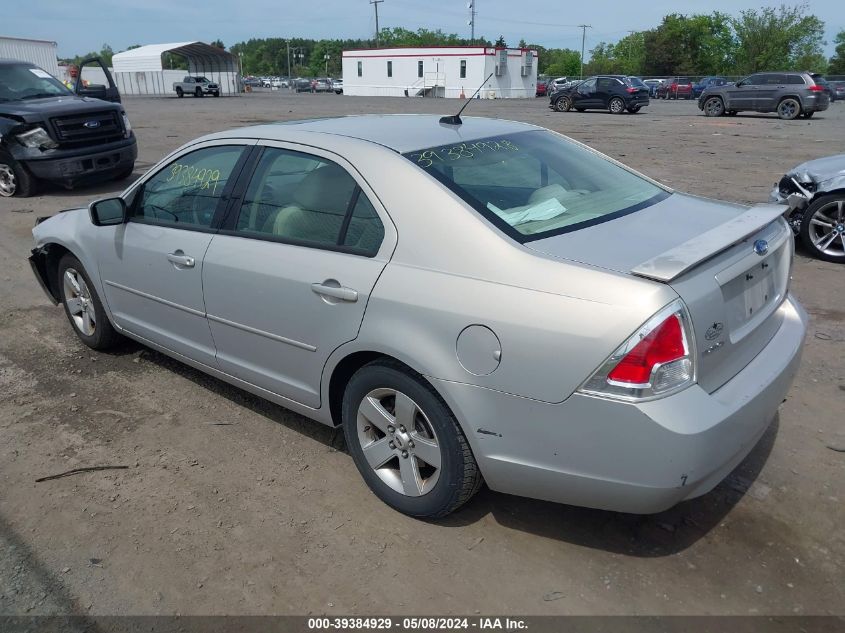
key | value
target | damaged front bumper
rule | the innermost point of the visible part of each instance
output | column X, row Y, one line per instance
column 800, row 186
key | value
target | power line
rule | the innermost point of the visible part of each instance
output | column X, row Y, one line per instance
column 375, row 4
column 583, row 28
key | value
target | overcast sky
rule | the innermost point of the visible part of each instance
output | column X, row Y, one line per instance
column 80, row 27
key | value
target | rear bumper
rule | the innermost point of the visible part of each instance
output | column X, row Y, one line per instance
column 639, row 458
column 72, row 166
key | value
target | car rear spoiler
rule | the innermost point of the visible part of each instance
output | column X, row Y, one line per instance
column 676, row 261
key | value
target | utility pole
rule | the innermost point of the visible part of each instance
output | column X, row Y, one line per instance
column 583, row 28
column 288, row 43
column 472, row 12
column 375, row 4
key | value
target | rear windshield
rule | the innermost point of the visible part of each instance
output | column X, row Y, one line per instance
column 536, row 184
column 682, row 80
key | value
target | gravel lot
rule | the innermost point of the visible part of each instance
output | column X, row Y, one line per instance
column 233, row 505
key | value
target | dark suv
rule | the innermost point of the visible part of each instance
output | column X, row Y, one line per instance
column 49, row 133
column 616, row 93
column 790, row 94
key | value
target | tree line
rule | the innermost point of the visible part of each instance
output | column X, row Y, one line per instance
column 782, row 38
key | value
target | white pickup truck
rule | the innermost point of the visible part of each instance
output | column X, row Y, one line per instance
column 197, row 86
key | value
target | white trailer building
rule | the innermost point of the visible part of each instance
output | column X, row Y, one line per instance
column 450, row 71
column 42, row 53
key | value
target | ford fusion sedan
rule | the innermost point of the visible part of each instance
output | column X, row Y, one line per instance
column 517, row 320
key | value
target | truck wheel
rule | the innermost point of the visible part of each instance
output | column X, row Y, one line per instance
column 179, row 92
column 788, row 109
column 123, row 174
column 198, row 92
column 15, row 180
column 216, row 94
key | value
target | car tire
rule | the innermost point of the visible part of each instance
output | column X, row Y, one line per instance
column 179, row 92
column 83, row 307
column 714, row 106
column 731, row 112
column 807, row 115
column 823, row 228
column 634, row 109
column 15, row 180
column 616, row 105
column 216, row 94
column 564, row 104
column 788, row 109
column 579, row 109
column 394, row 463
column 198, row 92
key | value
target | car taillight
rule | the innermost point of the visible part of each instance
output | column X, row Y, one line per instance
column 631, row 91
column 656, row 361
column 816, row 88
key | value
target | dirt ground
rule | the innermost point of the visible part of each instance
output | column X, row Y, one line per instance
column 231, row 505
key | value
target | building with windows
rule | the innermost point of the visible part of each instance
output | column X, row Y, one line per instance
column 449, row 71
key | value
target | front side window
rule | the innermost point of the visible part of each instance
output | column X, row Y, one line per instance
column 536, row 184
column 360, row 69
column 463, row 69
column 754, row 80
column 308, row 200
column 587, row 86
column 186, row 193
column 390, row 69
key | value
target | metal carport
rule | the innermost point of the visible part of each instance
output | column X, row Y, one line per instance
column 140, row 71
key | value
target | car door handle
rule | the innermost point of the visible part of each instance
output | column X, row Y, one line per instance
column 180, row 259
column 331, row 288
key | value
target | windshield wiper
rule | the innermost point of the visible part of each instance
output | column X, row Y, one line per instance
column 41, row 95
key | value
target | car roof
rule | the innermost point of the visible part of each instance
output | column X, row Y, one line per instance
column 399, row 132
column 14, row 62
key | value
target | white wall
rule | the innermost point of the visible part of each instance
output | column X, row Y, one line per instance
column 441, row 73
column 152, row 83
column 36, row 52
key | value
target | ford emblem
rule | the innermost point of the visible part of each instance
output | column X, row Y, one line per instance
column 91, row 125
column 714, row 331
column 761, row 247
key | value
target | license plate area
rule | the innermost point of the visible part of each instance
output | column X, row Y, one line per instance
column 753, row 294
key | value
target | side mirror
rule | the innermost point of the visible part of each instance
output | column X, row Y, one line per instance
column 107, row 212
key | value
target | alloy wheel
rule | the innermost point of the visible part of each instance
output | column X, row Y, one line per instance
column 616, row 106
column 8, row 184
column 788, row 109
column 79, row 303
column 714, row 107
column 827, row 229
column 399, row 442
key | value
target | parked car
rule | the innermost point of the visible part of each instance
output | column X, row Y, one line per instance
column 252, row 82
column 615, row 93
column 653, row 85
column 337, row 86
column 820, row 80
column 197, row 86
column 301, row 84
column 707, row 82
column 321, row 84
column 557, row 84
column 541, row 90
column 814, row 193
column 838, row 88
column 49, row 133
column 790, row 94
column 675, row 88
column 511, row 321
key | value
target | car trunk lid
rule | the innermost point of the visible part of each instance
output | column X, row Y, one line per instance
column 710, row 253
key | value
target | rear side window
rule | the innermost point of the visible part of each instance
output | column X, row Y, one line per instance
column 304, row 199
column 775, row 79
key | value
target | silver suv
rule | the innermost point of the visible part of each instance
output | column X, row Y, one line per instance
column 790, row 94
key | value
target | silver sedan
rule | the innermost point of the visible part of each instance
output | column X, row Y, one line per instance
column 472, row 300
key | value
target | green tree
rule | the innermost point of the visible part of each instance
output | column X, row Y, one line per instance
column 219, row 44
column 561, row 62
column 837, row 62
column 501, row 43
column 777, row 39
